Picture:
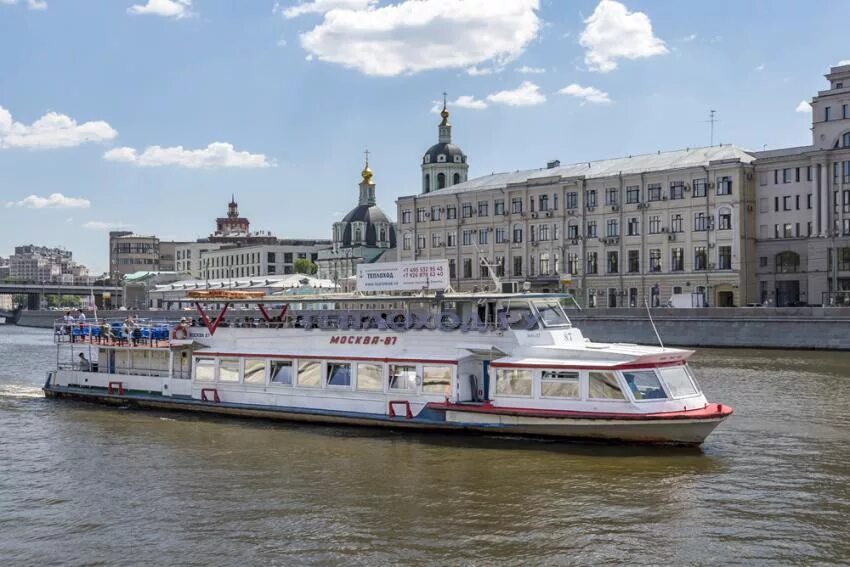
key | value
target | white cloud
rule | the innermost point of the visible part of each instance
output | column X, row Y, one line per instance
column 217, row 154
column 323, row 6
column 53, row 130
column 52, row 201
column 463, row 101
column 689, row 37
column 612, row 32
column 759, row 68
column 479, row 71
column 527, row 94
column 587, row 94
column 804, row 106
column 177, row 9
column 37, row 4
column 844, row 62
column 281, row 43
column 104, row 225
column 525, row 69
column 419, row 35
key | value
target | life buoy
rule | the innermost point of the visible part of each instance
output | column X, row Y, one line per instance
column 179, row 332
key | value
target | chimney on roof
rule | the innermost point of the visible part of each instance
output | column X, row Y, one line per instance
column 553, row 164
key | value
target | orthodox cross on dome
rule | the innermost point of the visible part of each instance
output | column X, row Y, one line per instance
column 367, row 172
column 445, row 112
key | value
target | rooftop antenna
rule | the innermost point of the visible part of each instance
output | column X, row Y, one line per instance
column 712, row 119
column 654, row 328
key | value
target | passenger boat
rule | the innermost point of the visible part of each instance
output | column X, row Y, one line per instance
column 493, row 363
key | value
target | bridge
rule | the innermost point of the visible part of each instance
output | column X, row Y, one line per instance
column 105, row 296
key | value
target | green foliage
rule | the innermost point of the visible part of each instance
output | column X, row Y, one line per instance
column 304, row 266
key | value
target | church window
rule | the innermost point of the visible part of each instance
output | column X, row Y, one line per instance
column 426, row 185
column 441, row 181
column 456, row 179
column 358, row 234
column 383, row 234
column 457, row 159
column 441, row 158
column 427, row 158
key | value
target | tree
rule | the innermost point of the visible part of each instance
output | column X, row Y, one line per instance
column 304, row 266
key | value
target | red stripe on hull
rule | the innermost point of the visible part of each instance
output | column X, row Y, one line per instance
column 710, row 411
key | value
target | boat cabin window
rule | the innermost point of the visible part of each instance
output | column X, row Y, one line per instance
column 645, row 385
column 603, row 386
column 339, row 374
column 559, row 384
column 204, row 369
column 255, row 371
column 228, row 370
column 437, row 380
column 310, row 374
column 519, row 316
column 679, row 383
column 281, row 372
column 370, row 377
column 513, row 382
column 402, row 377
column 551, row 313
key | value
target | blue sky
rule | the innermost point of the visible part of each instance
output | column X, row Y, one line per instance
column 289, row 98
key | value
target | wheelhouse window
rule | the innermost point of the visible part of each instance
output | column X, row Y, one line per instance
column 370, row 377
column 228, row 370
column 403, row 377
column 678, row 381
column 204, row 369
column 280, row 372
column 513, row 382
column 604, row 386
column 310, row 374
column 559, row 384
column 339, row 374
column 551, row 313
column 255, row 371
column 645, row 385
column 437, row 380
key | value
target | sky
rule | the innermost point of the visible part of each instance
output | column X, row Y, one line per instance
column 148, row 114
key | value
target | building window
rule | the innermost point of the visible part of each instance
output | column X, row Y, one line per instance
column 786, row 175
column 677, row 260
column 467, row 268
column 466, row 210
column 572, row 263
column 436, row 240
column 543, row 232
column 420, row 242
column 611, row 196
column 786, row 203
column 517, row 233
column 572, row 200
column 544, row 264
column 467, row 237
column 441, row 181
column 499, row 208
column 420, row 215
column 654, row 224
column 483, row 208
column 611, row 228
column 654, row 191
column 826, row 113
column 677, row 190
column 591, row 263
column 544, row 202
column 700, row 258
column 590, row 198
column 500, row 235
column 655, row 260
column 451, row 239
column 762, row 261
column 724, row 258
column 634, row 261
column 788, row 262
column 435, row 213
column 725, row 219
column 452, row 268
column 591, row 229
column 633, row 227
column 482, row 236
column 845, row 139
column 517, row 266
column 516, row 205
column 700, row 187
column 555, row 201
column 613, row 262
column 676, row 223
column 724, row 185
column 633, row 194
column 572, row 231
column 700, row 222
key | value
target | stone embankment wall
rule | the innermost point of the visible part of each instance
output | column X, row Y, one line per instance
column 794, row 328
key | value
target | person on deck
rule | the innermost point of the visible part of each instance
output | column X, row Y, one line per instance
column 85, row 364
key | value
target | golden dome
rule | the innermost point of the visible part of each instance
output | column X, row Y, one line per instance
column 367, row 174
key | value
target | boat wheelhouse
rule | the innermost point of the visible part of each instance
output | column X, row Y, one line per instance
column 481, row 362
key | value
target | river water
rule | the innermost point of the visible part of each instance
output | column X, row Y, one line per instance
column 83, row 484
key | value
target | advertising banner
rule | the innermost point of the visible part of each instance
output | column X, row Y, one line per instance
column 403, row 276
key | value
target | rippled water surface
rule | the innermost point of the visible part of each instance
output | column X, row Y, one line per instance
column 82, row 484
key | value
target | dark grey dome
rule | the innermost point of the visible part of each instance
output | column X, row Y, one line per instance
column 371, row 215
column 448, row 150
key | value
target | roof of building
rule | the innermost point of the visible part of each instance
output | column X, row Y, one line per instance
column 449, row 150
column 371, row 215
column 783, row 152
column 646, row 163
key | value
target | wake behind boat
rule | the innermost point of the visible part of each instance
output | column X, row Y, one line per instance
column 492, row 363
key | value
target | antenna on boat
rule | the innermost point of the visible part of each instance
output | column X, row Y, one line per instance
column 492, row 272
column 654, row 328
